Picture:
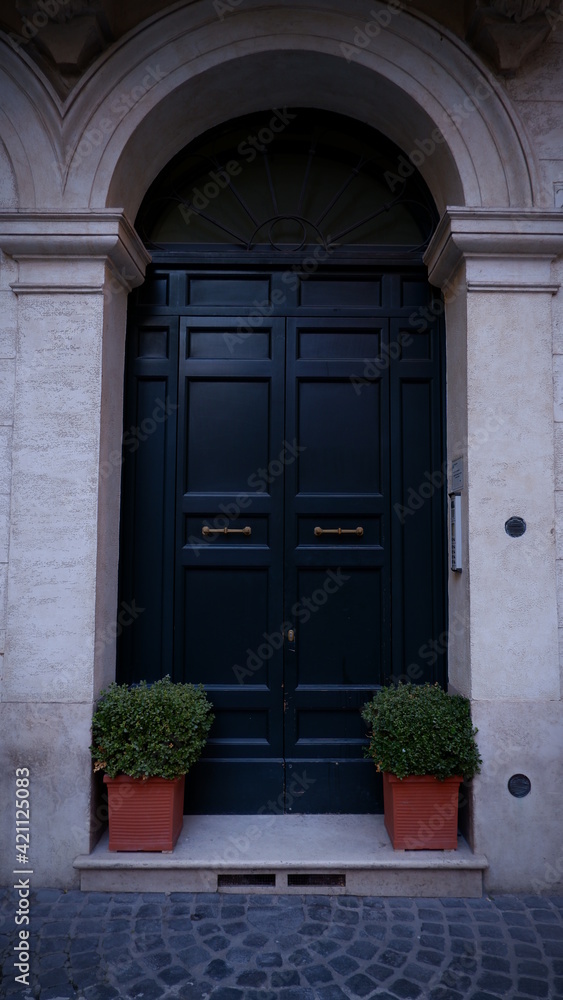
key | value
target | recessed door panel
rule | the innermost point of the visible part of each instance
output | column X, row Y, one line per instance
column 226, row 433
column 340, row 622
column 333, row 421
column 225, row 618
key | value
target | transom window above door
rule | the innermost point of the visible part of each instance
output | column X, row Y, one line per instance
column 285, row 179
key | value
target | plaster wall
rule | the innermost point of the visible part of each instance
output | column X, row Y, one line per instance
column 52, row 578
column 521, row 837
column 51, row 739
column 510, row 472
column 48, row 682
column 540, row 105
column 8, row 328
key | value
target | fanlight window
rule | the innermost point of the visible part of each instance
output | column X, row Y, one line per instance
column 285, row 180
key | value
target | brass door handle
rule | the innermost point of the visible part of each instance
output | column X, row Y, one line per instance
column 226, row 531
column 338, row 531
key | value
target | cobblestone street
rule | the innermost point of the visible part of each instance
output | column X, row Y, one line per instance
column 100, row 946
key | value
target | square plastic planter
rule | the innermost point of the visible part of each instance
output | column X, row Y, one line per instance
column 145, row 814
column 421, row 812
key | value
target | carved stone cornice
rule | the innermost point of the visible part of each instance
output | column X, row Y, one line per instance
column 508, row 31
column 504, row 250
column 69, row 251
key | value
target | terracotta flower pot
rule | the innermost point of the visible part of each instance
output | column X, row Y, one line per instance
column 421, row 812
column 145, row 814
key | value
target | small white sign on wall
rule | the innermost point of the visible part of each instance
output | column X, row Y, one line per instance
column 457, row 475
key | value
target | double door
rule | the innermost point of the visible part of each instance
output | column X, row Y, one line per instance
column 270, row 542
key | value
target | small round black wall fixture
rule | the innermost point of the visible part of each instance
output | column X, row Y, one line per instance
column 515, row 527
column 519, row 785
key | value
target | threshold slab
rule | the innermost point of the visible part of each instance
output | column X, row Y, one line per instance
column 328, row 854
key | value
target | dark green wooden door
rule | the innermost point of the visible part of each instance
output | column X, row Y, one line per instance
column 269, row 530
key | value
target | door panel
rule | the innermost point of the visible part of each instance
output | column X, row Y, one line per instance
column 148, row 492
column 229, row 587
column 338, row 590
column 291, row 432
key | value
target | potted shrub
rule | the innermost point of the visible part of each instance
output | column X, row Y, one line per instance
column 423, row 741
column 146, row 738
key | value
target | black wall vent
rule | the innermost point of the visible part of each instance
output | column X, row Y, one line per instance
column 314, row 878
column 515, row 527
column 249, row 880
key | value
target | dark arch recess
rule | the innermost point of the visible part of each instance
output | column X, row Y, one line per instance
column 284, row 180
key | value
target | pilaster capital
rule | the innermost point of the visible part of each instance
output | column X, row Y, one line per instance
column 505, row 250
column 69, row 251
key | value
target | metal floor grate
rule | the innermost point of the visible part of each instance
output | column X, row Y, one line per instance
column 250, row 880
column 313, row 878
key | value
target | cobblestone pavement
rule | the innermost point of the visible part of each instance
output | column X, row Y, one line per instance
column 97, row 946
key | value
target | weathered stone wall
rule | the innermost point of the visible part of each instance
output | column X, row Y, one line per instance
column 8, row 327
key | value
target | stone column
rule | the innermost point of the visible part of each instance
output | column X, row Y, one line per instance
column 495, row 268
column 73, row 275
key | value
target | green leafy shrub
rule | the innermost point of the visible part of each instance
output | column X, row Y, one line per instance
column 157, row 730
column 420, row 729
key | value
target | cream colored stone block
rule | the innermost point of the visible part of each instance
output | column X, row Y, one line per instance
column 4, row 527
column 7, row 341
column 558, row 447
column 510, row 472
column 559, row 528
column 544, row 121
column 557, row 301
column 521, row 838
column 559, row 573
column 534, row 81
column 558, row 387
column 52, row 741
column 7, row 383
column 3, row 593
column 54, row 511
column 5, row 459
column 8, row 186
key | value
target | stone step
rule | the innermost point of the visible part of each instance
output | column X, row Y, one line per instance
column 268, row 854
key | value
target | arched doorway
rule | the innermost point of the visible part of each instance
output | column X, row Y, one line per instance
column 283, row 484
